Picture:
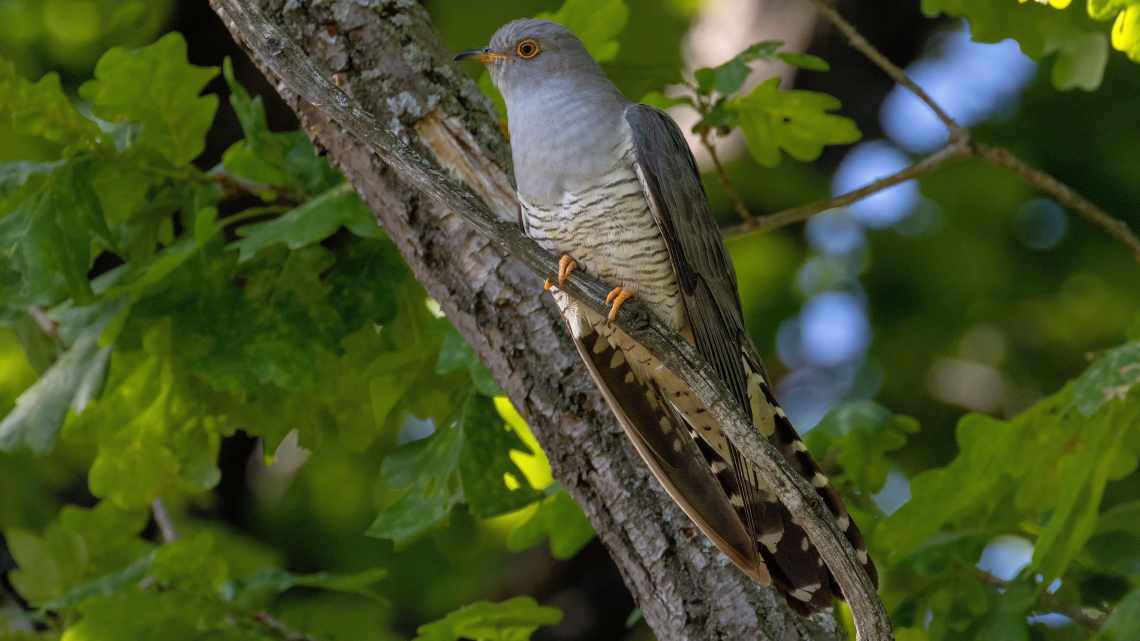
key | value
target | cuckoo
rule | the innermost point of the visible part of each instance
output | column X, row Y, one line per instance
column 611, row 187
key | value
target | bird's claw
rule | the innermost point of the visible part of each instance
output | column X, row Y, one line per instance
column 617, row 297
column 565, row 266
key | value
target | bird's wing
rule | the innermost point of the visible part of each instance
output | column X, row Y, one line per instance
column 672, row 186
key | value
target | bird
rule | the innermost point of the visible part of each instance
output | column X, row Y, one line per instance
column 611, row 187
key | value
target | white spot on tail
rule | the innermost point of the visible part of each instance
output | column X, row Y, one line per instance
column 801, row 595
column 665, row 425
column 798, row 446
column 819, row 480
column 805, row 544
column 861, row 556
column 718, row 466
column 601, row 344
column 771, row 540
column 844, row 522
column 629, row 377
column 736, row 501
column 618, row 359
column 676, row 445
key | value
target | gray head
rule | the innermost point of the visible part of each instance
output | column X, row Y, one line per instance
column 527, row 55
column 560, row 106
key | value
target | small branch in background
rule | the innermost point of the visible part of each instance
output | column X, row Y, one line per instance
column 236, row 186
column 47, row 325
column 803, row 212
column 860, row 44
column 162, row 519
column 279, row 628
column 1090, row 618
column 960, row 146
column 1062, row 193
column 733, row 196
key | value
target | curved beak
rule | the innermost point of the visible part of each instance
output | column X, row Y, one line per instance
column 484, row 55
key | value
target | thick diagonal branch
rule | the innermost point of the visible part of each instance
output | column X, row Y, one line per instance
column 327, row 109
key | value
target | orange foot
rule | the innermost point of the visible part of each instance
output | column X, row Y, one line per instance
column 565, row 266
column 617, row 296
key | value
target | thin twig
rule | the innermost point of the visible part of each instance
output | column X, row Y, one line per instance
column 168, row 535
column 293, row 70
column 733, row 196
column 960, row 146
column 1062, row 193
column 859, row 43
column 162, row 519
column 803, row 212
column 279, row 628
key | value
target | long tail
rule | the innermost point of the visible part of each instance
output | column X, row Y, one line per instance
column 706, row 475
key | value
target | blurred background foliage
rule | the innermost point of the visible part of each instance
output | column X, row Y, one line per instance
column 194, row 307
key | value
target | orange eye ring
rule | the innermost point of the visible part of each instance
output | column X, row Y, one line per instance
column 527, row 49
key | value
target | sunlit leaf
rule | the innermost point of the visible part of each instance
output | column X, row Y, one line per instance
column 597, row 23
column 558, row 517
column 156, row 90
column 795, row 121
column 512, row 620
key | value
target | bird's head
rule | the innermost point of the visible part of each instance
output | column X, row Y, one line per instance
column 526, row 54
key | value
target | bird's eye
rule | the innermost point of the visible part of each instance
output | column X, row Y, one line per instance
column 527, row 49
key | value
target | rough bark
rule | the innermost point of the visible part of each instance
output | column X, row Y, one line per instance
column 385, row 54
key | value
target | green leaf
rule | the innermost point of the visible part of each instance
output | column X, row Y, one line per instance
column 1085, row 473
column 423, row 478
column 597, row 23
column 795, row 121
column 1079, row 46
column 466, row 462
column 1112, row 377
column 69, row 384
column 558, row 517
column 105, row 585
column 48, row 242
column 485, row 461
column 511, row 620
column 1124, row 517
column 859, row 436
column 727, row 78
column 1081, row 63
column 1046, row 469
column 42, row 109
column 310, row 223
column 455, row 355
column 1108, row 9
column 804, row 61
column 284, row 160
column 1123, row 624
column 249, row 590
column 149, row 436
column 81, row 545
column 156, row 90
column 661, row 101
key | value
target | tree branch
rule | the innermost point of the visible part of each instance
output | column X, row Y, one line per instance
column 166, row 529
column 803, row 212
column 860, row 44
column 960, row 146
column 664, row 572
column 1062, row 193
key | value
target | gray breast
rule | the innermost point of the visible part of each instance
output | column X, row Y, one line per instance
column 608, row 228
